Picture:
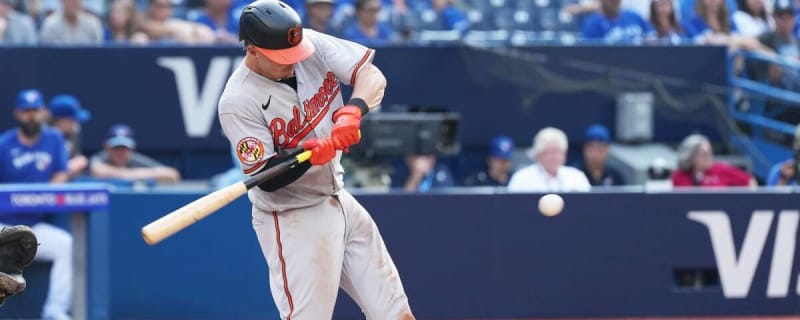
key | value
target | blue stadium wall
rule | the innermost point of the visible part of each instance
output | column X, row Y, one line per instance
column 168, row 95
column 472, row 256
column 486, row 256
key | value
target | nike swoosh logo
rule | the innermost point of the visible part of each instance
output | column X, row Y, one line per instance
column 265, row 106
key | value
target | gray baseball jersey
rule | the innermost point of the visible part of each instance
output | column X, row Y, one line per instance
column 260, row 116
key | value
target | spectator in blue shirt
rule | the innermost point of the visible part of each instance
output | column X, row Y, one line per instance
column 665, row 25
column 421, row 173
column 217, row 15
column 689, row 7
column 344, row 11
column 238, row 6
column 452, row 18
column 318, row 16
column 595, row 158
column 34, row 153
column 367, row 30
column 711, row 23
column 613, row 25
column 498, row 164
column 797, row 22
column 787, row 173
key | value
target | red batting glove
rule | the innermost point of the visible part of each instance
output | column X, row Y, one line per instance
column 322, row 150
column 346, row 126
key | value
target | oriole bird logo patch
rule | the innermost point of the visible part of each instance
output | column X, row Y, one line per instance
column 295, row 35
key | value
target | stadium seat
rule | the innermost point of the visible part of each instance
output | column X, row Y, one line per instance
column 418, row 5
column 523, row 20
column 504, row 18
column 409, row 21
column 529, row 6
column 479, row 20
column 489, row 38
column 429, row 20
column 482, row 5
column 547, row 19
column 498, row 3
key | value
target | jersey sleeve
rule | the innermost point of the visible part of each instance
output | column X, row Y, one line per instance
column 251, row 140
column 344, row 57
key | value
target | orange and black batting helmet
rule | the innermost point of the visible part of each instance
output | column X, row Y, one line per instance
column 275, row 29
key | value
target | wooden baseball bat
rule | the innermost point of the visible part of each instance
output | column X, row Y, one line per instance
column 194, row 211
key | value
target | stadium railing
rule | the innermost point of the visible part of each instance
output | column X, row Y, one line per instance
column 766, row 141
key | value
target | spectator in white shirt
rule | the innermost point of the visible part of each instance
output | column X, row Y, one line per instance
column 96, row 7
column 71, row 25
column 549, row 174
column 752, row 19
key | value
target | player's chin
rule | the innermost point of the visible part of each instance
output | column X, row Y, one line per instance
column 286, row 71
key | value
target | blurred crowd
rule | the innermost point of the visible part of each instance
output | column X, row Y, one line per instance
column 94, row 22
column 765, row 26
column 48, row 136
column 546, row 167
column 49, row 131
column 737, row 23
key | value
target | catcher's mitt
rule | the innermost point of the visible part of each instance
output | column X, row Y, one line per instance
column 17, row 249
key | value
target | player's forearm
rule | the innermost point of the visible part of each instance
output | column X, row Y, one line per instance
column 370, row 85
column 105, row 171
column 76, row 165
column 160, row 174
column 751, row 44
column 164, row 174
column 414, row 179
column 60, row 177
column 156, row 30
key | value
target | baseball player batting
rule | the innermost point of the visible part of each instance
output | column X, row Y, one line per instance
column 314, row 235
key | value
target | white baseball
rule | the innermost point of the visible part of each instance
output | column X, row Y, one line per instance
column 551, row 204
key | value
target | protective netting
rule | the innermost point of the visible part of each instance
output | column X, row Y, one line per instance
column 685, row 99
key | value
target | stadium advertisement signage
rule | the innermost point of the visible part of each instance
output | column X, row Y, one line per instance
column 738, row 268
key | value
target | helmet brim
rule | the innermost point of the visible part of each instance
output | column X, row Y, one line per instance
column 292, row 55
